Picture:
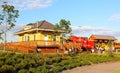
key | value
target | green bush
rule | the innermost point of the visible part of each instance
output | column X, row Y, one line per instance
column 2, row 54
column 56, row 59
column 32, row 63
column 20, row 56
column 32, row 70
column 22, row 65
column 2, row 58
column 10, row 61
column 23, row 71
column 85, row 63
column 57, row 69
column 40, row 62
column 6, row 69
column 43, row 69
column 70, row 66
column 64, row 62
column 48, row 61
column 1, row 63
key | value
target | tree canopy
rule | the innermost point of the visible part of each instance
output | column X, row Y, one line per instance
column 8, row 16
column 64, row 25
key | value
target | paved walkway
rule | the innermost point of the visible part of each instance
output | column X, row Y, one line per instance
column 96, row 68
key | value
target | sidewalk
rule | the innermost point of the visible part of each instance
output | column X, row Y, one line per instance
column 96, row 68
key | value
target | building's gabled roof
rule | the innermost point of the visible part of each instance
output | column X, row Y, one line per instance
column 103, row 37
column 40, row 25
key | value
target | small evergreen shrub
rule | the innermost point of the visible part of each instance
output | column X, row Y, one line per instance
column 23, row 71
column 6, row 69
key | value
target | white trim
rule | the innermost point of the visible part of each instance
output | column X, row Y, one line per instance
column 17, row 33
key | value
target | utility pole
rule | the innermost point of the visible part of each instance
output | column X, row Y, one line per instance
column 37, row 26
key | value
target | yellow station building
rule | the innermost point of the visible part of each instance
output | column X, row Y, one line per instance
column 41, row 30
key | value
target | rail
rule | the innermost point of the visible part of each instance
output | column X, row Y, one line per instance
column 29, row 46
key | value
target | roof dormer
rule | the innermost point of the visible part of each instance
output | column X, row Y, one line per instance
column 27, row 27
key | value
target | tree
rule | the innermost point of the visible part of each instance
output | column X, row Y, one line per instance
column 64, row 25
column 110, row 45
column 8, row 14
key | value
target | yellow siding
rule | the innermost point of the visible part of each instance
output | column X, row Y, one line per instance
column 31, row 37
column 58, row 38
column 39, row 36
column 20, row 38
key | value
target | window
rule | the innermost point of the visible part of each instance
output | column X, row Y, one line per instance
column 54, row 37
column 25, row 38
column 34, row 37
column 22, row 38
column 28, row 38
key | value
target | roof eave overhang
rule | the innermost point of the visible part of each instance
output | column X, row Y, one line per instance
column 106, row 39
column 25, row 31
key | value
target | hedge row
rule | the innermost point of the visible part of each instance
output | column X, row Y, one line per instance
column 32, row 63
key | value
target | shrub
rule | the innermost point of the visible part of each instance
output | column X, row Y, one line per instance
column 2, row 59
column 6, row 69
column 48, row 61
column 13, row 63
column 57, row 69
column 18, row 60
column 10, row 61
column 22, row 65
column 56, row 59
column 32, row 63
column 70, row 66
column 73, row 65
column 64, row 62
column 111, row 54
column 32, row 70
column 1, row 63
column 20, row 56
column 43, row 69
column 23, row 71
column 84, row 62
column 8, row 55
column 2, row 54
column 40, row 62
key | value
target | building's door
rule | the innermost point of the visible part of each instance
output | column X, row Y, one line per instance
column 45, row 37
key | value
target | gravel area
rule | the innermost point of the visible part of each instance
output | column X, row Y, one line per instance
column 108, row 67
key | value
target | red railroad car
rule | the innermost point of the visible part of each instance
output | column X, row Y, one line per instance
column 87, row 45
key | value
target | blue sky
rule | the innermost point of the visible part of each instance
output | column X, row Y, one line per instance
column 86, row 16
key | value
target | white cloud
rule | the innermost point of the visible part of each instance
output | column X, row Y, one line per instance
column 30, row 4
column 115, row 18
column 3, row 0
column 88, row 30
column 10, row 34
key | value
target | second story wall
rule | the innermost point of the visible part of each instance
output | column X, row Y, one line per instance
column 43, row 36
